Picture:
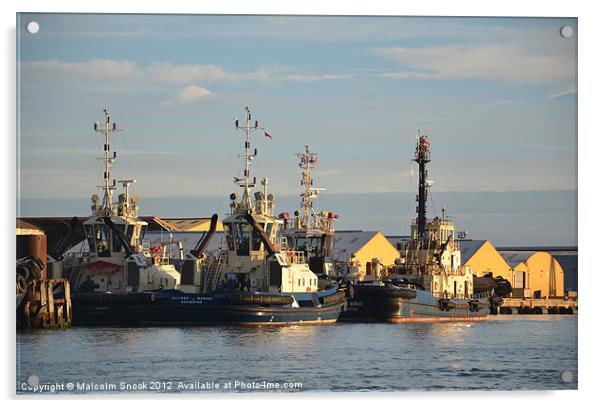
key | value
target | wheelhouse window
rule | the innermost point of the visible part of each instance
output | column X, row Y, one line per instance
column 242, row 236
column 143, row 231
column 90, row 237
column 129, row 232
column 301, row 244
column 102, row 234
column 117, row 246
column 229, row 236
column 256, row 240
column 328, row 246
column 268, row 230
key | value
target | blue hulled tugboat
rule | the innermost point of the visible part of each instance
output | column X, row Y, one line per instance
column 255, row 280
column 428, row 282
column 112, row 267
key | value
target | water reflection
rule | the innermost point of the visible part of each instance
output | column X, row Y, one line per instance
column 506, row 353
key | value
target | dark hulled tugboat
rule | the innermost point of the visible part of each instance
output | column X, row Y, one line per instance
column 255, row 280
column 115, row 268
column 428, row 282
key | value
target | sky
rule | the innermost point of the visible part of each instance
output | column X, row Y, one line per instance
column 497, row 97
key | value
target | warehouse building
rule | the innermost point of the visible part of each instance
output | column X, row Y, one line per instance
column 482, row 258
column 566, row 256
column 366, row 253
column 179, row 224
column 536, row 273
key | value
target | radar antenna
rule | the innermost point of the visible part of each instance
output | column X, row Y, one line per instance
column 422, row 157
column 246, row 182
column 307, row 163
column 107, row 128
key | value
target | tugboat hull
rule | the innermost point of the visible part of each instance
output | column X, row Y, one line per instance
column 380, row 304
column 175, row 308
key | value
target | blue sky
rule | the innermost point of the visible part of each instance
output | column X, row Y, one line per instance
column 497, row 97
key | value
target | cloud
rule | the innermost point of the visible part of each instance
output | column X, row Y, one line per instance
column 168, row 73
column 190, row 73
column 567, row 90
column 499, row 62
column 193, row 93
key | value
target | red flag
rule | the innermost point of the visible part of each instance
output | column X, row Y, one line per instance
column 267, row 135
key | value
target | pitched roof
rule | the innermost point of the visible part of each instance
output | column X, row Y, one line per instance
column 192, row 224
column 188, row 239
column 179, row 224
column 155, row 238
column 348, row 242
column 469, row 247
column 513, row 258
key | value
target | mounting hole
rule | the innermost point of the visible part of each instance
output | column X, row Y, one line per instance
column 566, row 31
column 566, row 376
column 33, row 27
column 32, row 380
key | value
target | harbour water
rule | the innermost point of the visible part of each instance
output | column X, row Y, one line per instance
column 501, row 353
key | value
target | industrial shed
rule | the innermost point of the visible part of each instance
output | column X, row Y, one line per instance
column 482, row 257
column 362, row 247
column 538, row 274
column 179, row 224
column 569, row 262
column 188, row 240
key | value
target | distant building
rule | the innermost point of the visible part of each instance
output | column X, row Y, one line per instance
column 538, row 274
column 363, row 248
column 567, row 257
column 482, row 258
column 569, row 262
column 532, row 272
column 179, row 224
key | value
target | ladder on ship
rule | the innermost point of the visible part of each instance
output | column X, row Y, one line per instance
column 213, row 272
column 75, row 271
column 75, row 266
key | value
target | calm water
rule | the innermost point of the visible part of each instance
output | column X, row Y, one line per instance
column 512, row 352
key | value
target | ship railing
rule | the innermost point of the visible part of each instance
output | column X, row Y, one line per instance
column 75, row 259
column 294, row 257
column 72, row 265
column 473, row 296
column 160, row 254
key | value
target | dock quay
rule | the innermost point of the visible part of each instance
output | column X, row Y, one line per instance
column 43, row 299
column 538, row 306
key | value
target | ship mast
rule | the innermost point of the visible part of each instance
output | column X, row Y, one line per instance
column 107, row 128
column 422, row 157
column 246, row 182
column 307, row 163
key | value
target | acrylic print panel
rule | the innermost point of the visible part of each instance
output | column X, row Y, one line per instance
column 395, row 203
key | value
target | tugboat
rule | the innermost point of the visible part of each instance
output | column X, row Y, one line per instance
column 256, row 279
column 428, row 282
column 115, row 268
column 311, row 232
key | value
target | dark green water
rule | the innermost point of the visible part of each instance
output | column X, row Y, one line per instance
column 502, row 353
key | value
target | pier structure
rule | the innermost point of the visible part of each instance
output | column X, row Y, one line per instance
column 538, row 306
column 43, row 301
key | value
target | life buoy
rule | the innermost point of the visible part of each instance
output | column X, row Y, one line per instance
column 308, row 289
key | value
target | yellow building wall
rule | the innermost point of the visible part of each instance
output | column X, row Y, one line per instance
column 487, row 259
column 544, row 274
column 377, row 247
